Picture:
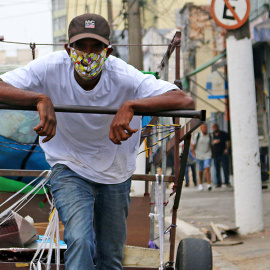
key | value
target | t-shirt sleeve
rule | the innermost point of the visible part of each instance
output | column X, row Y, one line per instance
column 29, row 77
column 147, row 85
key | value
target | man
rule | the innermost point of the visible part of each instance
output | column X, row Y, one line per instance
column 191, row 163
column 202, row 150
column 92, row 156
column 221, row 144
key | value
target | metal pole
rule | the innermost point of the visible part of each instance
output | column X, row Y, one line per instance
column 108, row 110
column 244, row 130
column 152, row 193
column 176, row 152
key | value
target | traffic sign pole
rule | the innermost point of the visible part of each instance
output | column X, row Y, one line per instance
column 233, row 16
column 244, row 132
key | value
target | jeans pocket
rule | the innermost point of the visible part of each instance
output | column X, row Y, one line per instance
column 56, row 170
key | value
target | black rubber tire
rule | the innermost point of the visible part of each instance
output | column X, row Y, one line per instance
column 194, row 254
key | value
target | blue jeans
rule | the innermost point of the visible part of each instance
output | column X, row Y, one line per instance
column 224, row 160
column 94, row 216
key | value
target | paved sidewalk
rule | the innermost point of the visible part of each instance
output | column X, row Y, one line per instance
column 198, row 208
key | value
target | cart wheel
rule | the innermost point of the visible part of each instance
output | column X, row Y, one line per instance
column 194, row 254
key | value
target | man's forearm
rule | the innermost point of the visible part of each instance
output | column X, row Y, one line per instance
column 172, row 100
column 15, row 96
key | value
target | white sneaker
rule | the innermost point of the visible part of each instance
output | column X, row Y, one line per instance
column 200, row 187
column 209, row 187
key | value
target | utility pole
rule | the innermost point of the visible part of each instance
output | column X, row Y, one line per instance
column 110, row 16
column 110, row 21
column 233, row 16
column 135, row 34
column 244, row 130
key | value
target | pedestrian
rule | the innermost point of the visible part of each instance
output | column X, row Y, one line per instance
column 191, row 163
column 221, row 147
column 202, row 150
column 92, row 156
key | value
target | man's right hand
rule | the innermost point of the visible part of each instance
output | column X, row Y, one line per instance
column 15, row 96
column 47, row 124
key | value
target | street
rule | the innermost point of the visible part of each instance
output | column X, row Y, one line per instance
column 199, row 208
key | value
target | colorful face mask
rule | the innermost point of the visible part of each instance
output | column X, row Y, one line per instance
column 88, row 66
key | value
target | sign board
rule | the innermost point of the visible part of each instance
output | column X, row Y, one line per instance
column 216, row 85
column 230, row 14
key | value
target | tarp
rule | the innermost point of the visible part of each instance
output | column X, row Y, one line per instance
column 14, row 155
column 9, row 185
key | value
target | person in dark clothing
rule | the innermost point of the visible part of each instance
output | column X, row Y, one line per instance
column 191, row 163
column 221, row 146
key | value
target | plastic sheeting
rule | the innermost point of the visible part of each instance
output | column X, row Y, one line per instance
column 17, row 142
column 18, row 125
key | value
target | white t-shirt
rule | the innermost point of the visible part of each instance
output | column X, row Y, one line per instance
column 203, row 146
column 82, row 140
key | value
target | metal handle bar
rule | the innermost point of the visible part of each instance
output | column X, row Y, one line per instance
column 110, row 110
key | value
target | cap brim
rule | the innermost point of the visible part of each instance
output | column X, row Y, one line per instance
column 89, row 35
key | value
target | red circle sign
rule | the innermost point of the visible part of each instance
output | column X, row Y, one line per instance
column 230, row 14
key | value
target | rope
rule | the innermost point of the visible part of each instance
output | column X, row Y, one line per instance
column 34, row 191
column 63, row 44
column 160, row 132
column 14, row 148
column 148, row 148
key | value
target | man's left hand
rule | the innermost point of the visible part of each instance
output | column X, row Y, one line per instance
column 120, row 129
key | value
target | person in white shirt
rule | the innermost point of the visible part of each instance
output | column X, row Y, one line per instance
column 92, row 156
column 202, row 150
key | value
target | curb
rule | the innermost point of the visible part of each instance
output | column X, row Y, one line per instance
column 186, row 230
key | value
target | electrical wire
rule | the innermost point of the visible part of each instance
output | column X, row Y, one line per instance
column 158, row 13
column 205, row 90
column 206, row 102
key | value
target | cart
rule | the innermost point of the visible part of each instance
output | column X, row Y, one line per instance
column 192, row 254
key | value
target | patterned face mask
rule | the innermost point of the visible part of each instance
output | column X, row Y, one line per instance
column 88, row 66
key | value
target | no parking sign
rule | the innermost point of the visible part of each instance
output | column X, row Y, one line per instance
column 230, row 14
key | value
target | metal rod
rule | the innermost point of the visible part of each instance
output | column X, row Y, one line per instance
column 108, row 110
column 176, row 173
column 183, row 163
column 35, row 173
column 179, row 183
column 184, row 131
